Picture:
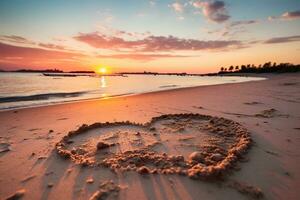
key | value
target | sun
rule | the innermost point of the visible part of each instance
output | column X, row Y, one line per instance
column 102, row 70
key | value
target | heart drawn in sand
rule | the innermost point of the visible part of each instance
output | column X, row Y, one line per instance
column 195, row 145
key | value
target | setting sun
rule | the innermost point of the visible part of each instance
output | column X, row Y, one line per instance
column 102, row 70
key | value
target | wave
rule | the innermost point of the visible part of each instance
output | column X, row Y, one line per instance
column 40, row 96
column 168, row 86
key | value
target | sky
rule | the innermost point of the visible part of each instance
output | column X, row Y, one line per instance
column 194, row 36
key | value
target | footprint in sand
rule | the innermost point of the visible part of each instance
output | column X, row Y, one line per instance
column 270, row 113
column 253, row 103
column 4, row 147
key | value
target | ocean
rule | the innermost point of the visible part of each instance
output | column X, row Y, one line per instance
column 20, row 90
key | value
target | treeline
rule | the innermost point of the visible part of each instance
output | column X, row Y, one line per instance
column 264, row 68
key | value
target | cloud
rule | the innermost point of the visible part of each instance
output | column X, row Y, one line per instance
column 153, row 43
column 233, row 28
column 287, row 16
column 178, row 7
column 152, row 2
column 142, row 57
column 18, row 40
column 30, row 56
column 106, row 16
column 213, row 10
column 291, row 15
column 15, row 39
column 107, row 30
column 243, row 22
column 20, row 56
column 276, row 40
column 51, row 46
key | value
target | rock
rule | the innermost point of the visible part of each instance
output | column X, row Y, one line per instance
column 197, row 156
column 143, row 170
column 137, row 133
column 102, row 145
column 50, row 185
column 90, row 180
column 18, row 195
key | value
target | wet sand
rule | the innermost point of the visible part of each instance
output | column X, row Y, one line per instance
column 47, row 152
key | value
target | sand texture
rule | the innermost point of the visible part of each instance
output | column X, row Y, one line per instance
column 233, row 141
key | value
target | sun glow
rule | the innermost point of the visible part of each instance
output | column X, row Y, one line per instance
column 102, row 70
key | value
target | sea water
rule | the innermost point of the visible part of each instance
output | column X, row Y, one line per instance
column 18, row 90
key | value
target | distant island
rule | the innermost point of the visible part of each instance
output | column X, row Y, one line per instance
column 45, row 71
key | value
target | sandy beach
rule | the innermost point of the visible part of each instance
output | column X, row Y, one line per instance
column 254, row 153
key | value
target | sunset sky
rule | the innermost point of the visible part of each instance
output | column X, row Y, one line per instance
column 154, row 35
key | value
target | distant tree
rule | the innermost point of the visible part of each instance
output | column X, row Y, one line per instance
column 267, row 64
column 267, row 67
column 243, row 68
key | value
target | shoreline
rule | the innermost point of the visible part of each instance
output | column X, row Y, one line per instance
column 127, row 95
column 268, row 109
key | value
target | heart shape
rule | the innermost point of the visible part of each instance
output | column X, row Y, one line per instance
column 195, row 145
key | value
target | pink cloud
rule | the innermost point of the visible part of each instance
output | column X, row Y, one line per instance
column 293, row 15
column 153, row 43
column 18, row 56
column 178, row 7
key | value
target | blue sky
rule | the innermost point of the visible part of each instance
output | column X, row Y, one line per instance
column 33, row 17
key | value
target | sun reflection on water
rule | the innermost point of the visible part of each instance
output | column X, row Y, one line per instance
column 103, row 82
